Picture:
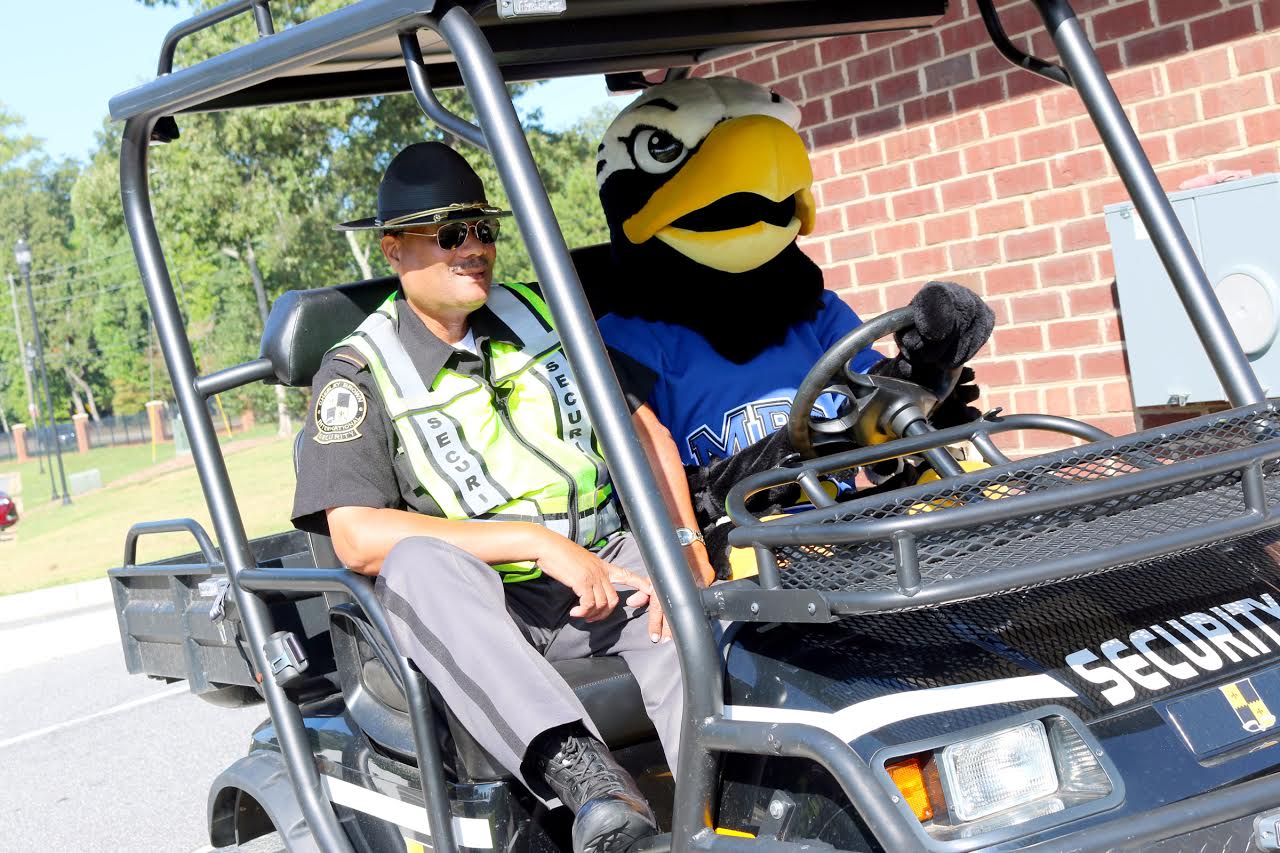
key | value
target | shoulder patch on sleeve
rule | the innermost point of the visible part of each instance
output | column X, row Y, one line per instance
column 351, row 357
column 340, row 409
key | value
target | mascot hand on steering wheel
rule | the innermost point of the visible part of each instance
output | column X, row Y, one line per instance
column 705, row 185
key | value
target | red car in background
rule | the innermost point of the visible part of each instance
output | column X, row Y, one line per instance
column 8, row 512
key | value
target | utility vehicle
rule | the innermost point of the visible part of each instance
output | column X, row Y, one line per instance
column 1072, row 651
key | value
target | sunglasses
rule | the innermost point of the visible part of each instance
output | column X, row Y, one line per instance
column 451, row 235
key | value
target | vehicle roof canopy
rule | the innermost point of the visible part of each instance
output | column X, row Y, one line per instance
column 355, row 52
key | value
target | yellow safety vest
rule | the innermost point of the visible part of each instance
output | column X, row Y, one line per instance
column 512, row 445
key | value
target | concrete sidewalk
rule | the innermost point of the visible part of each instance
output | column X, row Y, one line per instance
column 53, row 602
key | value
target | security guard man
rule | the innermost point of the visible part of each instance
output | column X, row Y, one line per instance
column 449, row 454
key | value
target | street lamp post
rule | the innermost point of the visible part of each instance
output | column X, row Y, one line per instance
column 22, row 254
column 33, row 412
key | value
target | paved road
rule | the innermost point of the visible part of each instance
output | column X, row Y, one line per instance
column 94, row 759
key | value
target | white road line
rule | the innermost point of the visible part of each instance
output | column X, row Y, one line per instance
column 106, row 712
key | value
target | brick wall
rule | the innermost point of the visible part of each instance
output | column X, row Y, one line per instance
column 934, row 158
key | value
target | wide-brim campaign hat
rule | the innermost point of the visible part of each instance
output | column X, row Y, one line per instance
column 427, row 183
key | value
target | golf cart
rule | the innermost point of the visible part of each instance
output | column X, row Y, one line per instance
column 1072, row 651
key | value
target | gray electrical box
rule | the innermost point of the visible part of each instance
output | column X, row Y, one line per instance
column 1234, row 229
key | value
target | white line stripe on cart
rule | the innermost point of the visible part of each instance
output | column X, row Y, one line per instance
column 853, row 722
column 467, row 831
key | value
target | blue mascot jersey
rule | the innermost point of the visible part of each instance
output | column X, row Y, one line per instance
column 714, row 407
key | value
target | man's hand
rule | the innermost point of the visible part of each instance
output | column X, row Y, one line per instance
column 590, row 577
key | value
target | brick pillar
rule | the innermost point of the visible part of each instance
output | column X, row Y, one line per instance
column 248, row 420
column 155, row 419
column 20, row 442
column 82, row 432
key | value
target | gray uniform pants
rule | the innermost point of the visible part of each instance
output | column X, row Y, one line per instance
column 485, row 645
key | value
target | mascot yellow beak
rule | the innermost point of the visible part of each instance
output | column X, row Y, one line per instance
column 752, row 154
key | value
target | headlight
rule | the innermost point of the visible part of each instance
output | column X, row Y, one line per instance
column 989, row 774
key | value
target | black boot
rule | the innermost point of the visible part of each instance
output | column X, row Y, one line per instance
column 610, row 813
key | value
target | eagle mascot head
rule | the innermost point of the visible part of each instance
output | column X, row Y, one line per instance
column 705, row 185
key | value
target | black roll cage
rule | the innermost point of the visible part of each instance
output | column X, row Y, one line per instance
column 640, row 34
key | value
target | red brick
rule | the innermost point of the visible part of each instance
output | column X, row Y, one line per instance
column 841, row 190
column 1099, row 365
column 1113, row 192
column 1045, row 143
column 1086, row 400
column 1079, row 168
column 1258, row 55
column 1066, row 269
column 1184, row 9
column 1049, row 368
column 1124, row 21
column 1262, row 128
column 1030, row 244
column 924, row 262
column 865, row 156
column 1152, row 47
column 896, row 238
column 876, row 271
column 1114, row 425
column 945, row 229
column 1057, row 207
column 1020, row 180
column 827, row 222
column 1259, row 162
column 1095, row 299
column 958, row 131
column 915, row 203
column 1270, row 16
column 909, row 144
column 863, row 69
column 1061, row 105
column 1157, row 149
column 1011, row 279
column 1225, row 26
column 789, row 87
column 797, row 59
column 1019, row 83
column 917, row 51
column 998, row 374
column 1237, row 96
column 892, row 90
column 865, row 213
column 835, row 133
column 841, row 47
column 981, row 252
column 929, row 108
column 980, row 93
column 1074, row 334
column 1201, row 69
column 1165, row 113
column 1084, row 234
column 1106, row 265
column 837, row 277
column 1206, row 139
column 938, row 168
column 816, row 250
column 995, row 218
column 1057, row 401
column 1008, row 118
column 1141, row 84
column 1116, row 397
column 966, row 192
column 948, row 72
column 1036, row 307
column 896, row 176
column 967, row 34
column 813, row 113
column 1086, row 134
column 823, row 81
column 1111, row 325
column 989, row 155
column 1017, row 340
column 879, row 121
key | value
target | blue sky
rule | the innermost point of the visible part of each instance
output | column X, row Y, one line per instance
column 58, row 73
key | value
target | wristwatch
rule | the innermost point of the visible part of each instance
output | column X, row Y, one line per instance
column 687, row 536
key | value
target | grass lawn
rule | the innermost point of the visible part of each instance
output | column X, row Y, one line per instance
column 54, row 544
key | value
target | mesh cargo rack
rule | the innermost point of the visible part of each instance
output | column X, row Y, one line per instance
column 1075, row 512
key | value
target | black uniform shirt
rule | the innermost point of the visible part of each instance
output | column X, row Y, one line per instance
column 350, row 454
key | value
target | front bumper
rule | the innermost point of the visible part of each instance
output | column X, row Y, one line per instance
column 1220, row 820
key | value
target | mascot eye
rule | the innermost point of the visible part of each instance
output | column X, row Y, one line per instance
column 657, row 151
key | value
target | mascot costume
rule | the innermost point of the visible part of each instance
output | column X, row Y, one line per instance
column 705, row 186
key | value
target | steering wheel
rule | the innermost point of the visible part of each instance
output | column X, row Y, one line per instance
column 879, row 408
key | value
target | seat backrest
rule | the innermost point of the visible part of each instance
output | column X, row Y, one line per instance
column 304, row 324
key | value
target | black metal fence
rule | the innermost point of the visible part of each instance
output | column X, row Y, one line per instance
column 110, row 431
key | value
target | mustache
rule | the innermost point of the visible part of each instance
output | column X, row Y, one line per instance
column 477, row 266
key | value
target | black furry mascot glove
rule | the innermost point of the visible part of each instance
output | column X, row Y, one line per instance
column 950, row 325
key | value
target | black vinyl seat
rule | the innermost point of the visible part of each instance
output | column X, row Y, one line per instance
column 302, row 326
